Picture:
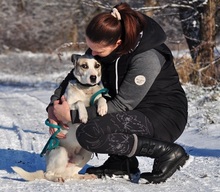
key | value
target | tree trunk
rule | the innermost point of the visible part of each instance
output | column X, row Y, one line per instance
column 150, row 3
column 190, row 17
column 205, row 58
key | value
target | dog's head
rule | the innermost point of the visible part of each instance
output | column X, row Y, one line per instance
column 86, row 69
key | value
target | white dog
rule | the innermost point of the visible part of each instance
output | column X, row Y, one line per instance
column 65, row 161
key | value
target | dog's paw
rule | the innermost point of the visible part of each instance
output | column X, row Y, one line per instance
column 84, row 119
column 102, row 106
column 60, row 180
column 88, row 176
column 102, row 110
column 50, row 176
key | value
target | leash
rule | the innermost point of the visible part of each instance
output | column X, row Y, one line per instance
column 53, row 141
column 101, row 91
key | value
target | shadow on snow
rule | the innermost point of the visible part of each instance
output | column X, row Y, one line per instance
column 26, row 160
column 203, row 152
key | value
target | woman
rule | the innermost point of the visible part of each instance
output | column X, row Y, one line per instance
column 147, row 111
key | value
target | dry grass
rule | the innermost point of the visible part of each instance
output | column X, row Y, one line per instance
column 195, row 74
column 184, row 67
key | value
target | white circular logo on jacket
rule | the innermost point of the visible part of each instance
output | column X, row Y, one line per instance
column 140, row 80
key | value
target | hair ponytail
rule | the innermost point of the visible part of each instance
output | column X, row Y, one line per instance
column 108, row 28
column 133, row 23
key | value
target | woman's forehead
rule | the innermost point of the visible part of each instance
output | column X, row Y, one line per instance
column 95, row 46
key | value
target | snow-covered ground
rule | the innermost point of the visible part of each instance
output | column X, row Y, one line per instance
column 23, row 99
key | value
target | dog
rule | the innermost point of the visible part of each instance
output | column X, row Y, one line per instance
column 65, row 161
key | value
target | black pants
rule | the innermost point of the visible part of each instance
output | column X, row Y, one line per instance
column 113, row 133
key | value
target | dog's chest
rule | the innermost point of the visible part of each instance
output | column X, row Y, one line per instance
column 88, row 92
column 85, row 95
column 77, row 93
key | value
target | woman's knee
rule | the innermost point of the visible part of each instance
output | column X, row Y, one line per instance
column 86, row 130
column 87, row 133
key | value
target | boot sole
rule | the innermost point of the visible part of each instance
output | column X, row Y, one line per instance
column 155, row 180
column 112, row 173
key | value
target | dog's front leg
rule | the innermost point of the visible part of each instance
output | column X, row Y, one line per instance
column 83, row 115
column 102, row 106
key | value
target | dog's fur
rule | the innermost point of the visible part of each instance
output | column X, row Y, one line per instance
column 65, row 161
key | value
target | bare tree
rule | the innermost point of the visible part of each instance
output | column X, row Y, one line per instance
column 190, row 16
column 41, row 26
column 199, row 27
column 198, row 19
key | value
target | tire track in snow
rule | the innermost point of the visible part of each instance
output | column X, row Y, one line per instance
column 25, row 125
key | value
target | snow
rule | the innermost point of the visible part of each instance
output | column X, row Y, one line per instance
column 23, row 99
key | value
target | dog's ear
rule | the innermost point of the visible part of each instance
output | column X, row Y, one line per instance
column 74, row 58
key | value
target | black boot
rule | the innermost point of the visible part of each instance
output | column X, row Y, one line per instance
column 116, row 165
column 168, row 158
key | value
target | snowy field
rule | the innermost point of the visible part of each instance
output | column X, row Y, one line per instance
column 24, row 95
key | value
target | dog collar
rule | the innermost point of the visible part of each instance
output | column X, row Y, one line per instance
column 86, row 85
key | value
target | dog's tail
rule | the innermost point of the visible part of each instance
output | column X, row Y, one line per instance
column 29, row 176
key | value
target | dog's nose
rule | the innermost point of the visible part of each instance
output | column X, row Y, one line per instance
column 93, row 78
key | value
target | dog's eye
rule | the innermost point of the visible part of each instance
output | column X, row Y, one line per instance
column 84, row 66
column 97, row 65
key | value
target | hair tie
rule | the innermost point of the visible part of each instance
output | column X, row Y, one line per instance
column 115, row 13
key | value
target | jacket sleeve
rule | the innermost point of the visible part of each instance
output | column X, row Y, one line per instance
column 143, row 70
column 61, row 89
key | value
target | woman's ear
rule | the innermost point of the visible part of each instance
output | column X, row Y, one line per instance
column 118, row 42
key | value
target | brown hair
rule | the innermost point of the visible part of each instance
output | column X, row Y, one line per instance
column 108, row 29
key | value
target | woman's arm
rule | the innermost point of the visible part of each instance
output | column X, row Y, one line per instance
column 55, row 100
column 142, row 73
column 61, row 89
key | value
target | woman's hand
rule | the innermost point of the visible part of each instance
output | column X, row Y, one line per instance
column 56, row 115
column 53, row 120
column 59, row 135
column 61, row 110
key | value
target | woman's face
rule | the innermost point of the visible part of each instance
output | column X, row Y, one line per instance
column 101, row 49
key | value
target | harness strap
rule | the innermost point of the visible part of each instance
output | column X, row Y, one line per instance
column 101, row 91
column 53, row 141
